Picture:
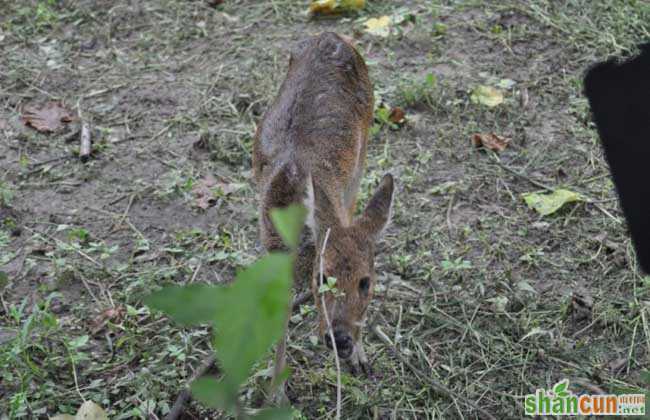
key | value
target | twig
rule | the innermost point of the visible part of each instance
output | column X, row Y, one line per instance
column 196, row 272
column 432, row 382
column 85, row 147
column 527, row 178
column 299, row 300
column 74, row 373
column 56, row 159
column 128, row 208
column 449, row 208
column 185, row 395
column 331, row 332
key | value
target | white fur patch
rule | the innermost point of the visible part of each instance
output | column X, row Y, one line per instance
column 308, row 202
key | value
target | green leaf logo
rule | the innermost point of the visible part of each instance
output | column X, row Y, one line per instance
column 560, row 388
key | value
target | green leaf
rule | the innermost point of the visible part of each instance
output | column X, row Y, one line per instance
column 252, row 314
column 560, row 388
column 431, row 80
column 486, row 95
column 289, row 222
column 274, row 414
column 214, row 393
column 546, row 204
column 383, row 114
column 645, row 376
column 189, row 305
column 78, row 342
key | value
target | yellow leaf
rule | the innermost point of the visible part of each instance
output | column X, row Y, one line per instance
column 91, row 411
column 546, row 204
column 330, row 7
column 378, row 26
column 486, row 95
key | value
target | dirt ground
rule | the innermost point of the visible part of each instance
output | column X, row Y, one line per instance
column 476, row 290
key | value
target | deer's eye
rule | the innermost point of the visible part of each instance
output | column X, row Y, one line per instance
column 364, row 286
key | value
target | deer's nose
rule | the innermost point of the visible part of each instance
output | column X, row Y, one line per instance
column 343, row 340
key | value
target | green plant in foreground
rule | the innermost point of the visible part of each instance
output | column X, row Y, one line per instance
column 248, row 317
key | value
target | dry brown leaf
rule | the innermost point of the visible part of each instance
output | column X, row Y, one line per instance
column 48, row 118
column 113, row 315
column 203, row 192
column 490, row 141
column 397, row 115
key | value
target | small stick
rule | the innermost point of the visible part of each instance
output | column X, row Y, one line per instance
column 331, row 333
column 299, row 300
column 86, row 146
column 450, row 226
column 185, row 395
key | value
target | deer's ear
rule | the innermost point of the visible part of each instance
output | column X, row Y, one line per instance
column 377, row 213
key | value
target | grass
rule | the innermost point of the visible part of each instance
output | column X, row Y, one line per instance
column 476, row 291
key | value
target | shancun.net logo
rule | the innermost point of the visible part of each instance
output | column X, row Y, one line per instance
column 560, row 401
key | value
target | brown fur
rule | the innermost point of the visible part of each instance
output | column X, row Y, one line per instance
column 313, row 138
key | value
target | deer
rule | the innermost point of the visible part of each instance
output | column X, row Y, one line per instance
column 310, row 148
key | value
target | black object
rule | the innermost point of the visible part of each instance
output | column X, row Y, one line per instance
column 619, row 95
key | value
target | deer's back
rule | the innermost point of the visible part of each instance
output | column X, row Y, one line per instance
column 319, row 121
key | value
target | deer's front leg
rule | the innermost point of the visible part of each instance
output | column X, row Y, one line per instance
column 278, row 387
column 359, row 360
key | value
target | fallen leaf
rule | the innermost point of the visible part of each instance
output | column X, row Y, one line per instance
column 499, row 303
column 506, row 83
column 546, row 204
column 333, row 7
column 486, row 95
column 48, row 118
column 490, row 141
column 397, row 115
column 524, row 286
column 535, row 331
column 203, row 192
column 228, row 188
column 113, row 315
column 581, row 306
column 90, row 411
column 378, row 26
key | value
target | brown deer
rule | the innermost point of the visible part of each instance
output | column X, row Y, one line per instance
column 310, row 148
